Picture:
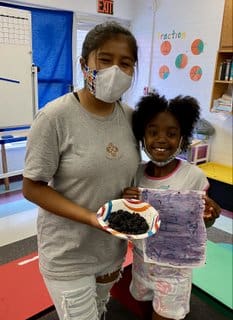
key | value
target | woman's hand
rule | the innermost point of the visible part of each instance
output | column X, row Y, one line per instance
column 93, row 221
column 211, row 212
column 131, row 193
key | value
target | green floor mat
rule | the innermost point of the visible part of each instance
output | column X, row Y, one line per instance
column 215, row 277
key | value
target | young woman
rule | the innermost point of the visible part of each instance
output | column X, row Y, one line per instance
column 164, row 129
column 81, row 153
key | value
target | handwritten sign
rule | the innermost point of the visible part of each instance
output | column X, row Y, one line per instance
column 105, row 6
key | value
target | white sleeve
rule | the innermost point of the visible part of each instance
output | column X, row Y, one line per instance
column 198, row 181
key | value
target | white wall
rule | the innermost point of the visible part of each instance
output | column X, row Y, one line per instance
column 199, row 19
column 142, row 28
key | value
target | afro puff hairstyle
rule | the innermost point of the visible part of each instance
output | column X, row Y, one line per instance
column 185, row 109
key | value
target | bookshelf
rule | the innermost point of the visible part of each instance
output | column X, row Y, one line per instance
column 226, row 41
column 221, row 100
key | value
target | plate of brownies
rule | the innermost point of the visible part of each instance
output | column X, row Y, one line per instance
column 129, row 218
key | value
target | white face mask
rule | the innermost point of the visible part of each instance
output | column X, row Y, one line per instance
column 108, row 84
column 170, row 159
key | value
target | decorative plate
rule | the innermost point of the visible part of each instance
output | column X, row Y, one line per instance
column 149, row 213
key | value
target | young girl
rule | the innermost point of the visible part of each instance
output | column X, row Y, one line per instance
column 164, row 129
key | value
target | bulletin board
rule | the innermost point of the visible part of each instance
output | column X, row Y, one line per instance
column 17, row 90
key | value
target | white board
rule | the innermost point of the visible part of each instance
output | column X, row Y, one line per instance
column 16, row 77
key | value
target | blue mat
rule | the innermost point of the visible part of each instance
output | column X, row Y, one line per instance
column 10, row 208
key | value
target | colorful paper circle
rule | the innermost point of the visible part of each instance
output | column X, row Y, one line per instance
column 164, row 72
column 197, row 46
column 181, row 61
column 165, row 47
column 196, row 73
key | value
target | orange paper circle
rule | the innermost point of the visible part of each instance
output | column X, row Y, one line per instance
column 196, row 73
column 197, row 47
column 165, row 47
column 164, row 72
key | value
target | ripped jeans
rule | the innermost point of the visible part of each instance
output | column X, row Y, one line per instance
column 81, row 299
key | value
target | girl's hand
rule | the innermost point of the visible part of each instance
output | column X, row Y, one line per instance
column 131, row 193
column 211, row 212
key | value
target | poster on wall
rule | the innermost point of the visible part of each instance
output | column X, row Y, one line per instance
column 185, row 47
column 178, row 59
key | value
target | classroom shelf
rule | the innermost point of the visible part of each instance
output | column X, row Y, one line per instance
column 225, row 53
column 221, row 183
column 218, row 172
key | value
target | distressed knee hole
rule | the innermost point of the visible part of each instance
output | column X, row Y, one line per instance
column 110, row 277
column 103, row 296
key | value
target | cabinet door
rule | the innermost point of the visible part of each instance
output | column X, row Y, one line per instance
column 227, row 34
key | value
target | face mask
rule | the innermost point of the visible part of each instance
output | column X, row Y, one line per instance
column 108, row 84
column 163, row 163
